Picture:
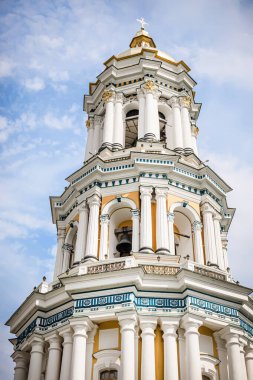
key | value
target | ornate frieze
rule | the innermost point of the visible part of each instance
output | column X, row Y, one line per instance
column 110, row 267
column 209, row 273
column 149, row 85
column 158, row 269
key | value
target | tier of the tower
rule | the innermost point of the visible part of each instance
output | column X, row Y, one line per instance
column 142, row 95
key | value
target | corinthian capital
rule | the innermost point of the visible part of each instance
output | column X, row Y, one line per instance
column 207, row 208
column 119, row 97
column 149, row 86
column 98, row 119
column 174, row 102
column 146, row 191
column 185, row 101
column 107, row 96
column 89, row 123
column 161, row 192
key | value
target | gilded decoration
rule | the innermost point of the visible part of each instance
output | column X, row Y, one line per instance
column 88, row 123
column 185, row 101
column 195, row 130
column 107, row 95
column 149, row 85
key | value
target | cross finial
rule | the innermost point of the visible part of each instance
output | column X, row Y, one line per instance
column 142, row 22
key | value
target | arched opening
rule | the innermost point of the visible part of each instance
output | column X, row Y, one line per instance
column 109, row 374
column 131, row 132
column 70, row 243
column 120, row 233
column 204, row 377
column 162, row 123
column 182, row 234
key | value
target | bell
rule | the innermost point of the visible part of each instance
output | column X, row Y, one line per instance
column 124, row 246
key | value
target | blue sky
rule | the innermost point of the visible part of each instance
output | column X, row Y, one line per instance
column 49, row 51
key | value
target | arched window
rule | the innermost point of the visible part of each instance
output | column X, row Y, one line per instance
column 109, row 374
column 204, row 377
column 131, row 134
column 162, row 123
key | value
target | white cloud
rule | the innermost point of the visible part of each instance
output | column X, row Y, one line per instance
column 34, row 84
column 6, row 67
column 64, row 122
column 4, row 129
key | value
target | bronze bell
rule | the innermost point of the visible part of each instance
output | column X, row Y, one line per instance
column 124, row 245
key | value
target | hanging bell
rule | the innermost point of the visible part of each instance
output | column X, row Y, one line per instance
column 124, row 245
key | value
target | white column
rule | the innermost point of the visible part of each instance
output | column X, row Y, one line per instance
column 249, row 360
column 195, row 132
column 54, row 357
column 209, row 236
column 81, row 233
column 152, row 128
column 169, row 328
column 136, row 230
column 67, row 335
column 108, row 98
column 21, row 359
column 92, row 237
column 193, row 364
column 136, row 348
column 118, row 134
column 233, row 350
column 170, row 216
column 141, row 119
column 219, row 252
column 127, row 322
column 89, row 141
column 185, row 103
column 224, row 242
column 67, row 250
column 61, row 234
column 177, row 125
column 198, row 247
column 97, row 132
column 78, row 365
column 243, row 343
column 182, row 354
column 222, row 354
column 89, row 352
column 146, row 219
column 104, row 222
column 36, row 358
column 162, row 236
column 148, row 325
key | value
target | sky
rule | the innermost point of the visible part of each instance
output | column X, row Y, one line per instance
column 49, row 52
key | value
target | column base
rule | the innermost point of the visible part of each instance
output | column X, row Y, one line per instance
column 163, row 251
column 117, row 146
column 178, row 150
column 89, row 258
column 106, row 145
column 188, row 151
column 146, row 250
column 149, row 137
column 213, row 265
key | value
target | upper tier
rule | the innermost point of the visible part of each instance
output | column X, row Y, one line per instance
column 142, row 95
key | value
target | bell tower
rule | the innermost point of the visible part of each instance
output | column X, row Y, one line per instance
column 142, row 288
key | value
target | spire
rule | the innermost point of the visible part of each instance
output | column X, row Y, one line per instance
column 142, row 38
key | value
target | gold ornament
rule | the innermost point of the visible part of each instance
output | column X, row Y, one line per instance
column 107, row 95
column 149, row 85
column 195, row 130
column 87, row 123
column 186, row 101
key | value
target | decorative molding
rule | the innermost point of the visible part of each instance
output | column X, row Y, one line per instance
column 149, row 85
column 209, row 273
column 185, row 101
